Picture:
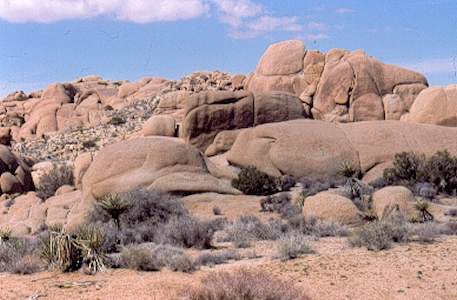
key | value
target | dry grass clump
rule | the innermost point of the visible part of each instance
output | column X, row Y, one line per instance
column 244, row 284
column 19, row 256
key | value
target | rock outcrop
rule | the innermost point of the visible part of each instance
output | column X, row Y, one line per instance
column 161, row 163
column 208, row 113
column 435, row 105
column 393, row 198
column 311, row 148
column 340, row 85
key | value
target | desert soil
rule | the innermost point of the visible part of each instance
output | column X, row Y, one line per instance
column 335, row 271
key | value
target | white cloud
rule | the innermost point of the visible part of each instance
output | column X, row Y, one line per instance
column 344, row 10
column 244, row 18
column 139, row 11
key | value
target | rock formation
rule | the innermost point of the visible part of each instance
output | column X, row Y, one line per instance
column 338, row 86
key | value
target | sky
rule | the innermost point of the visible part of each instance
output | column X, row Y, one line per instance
column 46, row 41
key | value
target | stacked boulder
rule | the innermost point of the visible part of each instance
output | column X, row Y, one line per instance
column 14, row 173
column 340, row 85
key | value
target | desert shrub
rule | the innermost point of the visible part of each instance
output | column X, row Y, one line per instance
column 286, row 182
column 408, row 168
column 139, row 258
column 397, row 227
column 249, row 228
column 58, row 176
column 451, row 212
column 117, row 120
column 186, row 232
column 243, row 284
column 374, row 236
column 217, row 258
column 449, row 228
column 12, row 255
column 151, row 257
column 28, row 264
column 173, row 258
column 379, row 235
column 275, row 203
column 254, row 182
column 441, row 169
column 217, row 211
column 292, row 245
column 146, row 212
column 425, row 190
column 312, row 186
column 319, row 228
column 426, row 232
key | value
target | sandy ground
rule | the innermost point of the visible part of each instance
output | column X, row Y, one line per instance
column 335, row 271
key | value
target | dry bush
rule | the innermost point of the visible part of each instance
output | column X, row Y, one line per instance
column 426, row 232
column 58, row 176
column 186, row 232
column 19, row 256
column 292, row 245
column 139, row 258
column 244, row 284
column 217, row 258
column 249, row 228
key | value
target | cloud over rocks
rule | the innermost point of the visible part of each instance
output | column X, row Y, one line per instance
column 138, row 11
column 243, row 18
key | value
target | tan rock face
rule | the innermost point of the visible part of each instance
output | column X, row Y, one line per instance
column 332, row 208
column 160, row 126
column 161, row 163
column 392, row 197
column 311, row 148
column 435, row 105
column 209, row 113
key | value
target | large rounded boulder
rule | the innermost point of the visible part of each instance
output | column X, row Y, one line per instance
column 15, row 175
column 435, row 105
column 392, row 198
column 160, row 163
column 331, row 207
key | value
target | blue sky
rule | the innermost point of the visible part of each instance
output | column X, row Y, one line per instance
column 49, row 41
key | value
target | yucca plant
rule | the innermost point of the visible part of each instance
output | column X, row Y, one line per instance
column 69, row 251
column 89, row 239
column 348, row 169
column 5, row 234
column 115, row 206
column 422, row 207
column 60, row 250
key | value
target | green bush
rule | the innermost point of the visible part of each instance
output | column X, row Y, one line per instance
column 254, row 182
column 441, row 169
column 408, row 168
